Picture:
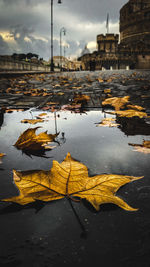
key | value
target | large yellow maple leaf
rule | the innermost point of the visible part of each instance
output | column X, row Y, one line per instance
column 69, row 179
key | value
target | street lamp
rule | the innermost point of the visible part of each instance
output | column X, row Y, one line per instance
column 52, row 62
column 62, row 30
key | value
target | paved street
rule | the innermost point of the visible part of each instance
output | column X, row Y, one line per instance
column 71, row 107
column 37, row 90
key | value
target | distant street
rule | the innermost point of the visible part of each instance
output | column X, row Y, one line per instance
column 35, row 90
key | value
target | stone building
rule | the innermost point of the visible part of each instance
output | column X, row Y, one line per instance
column 133, row 51
column 135, row 31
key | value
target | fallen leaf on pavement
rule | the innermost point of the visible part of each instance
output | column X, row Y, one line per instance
column 130, row 113
column 106, row 91
column 136, row 107
column 80, row 98
column 116, row 102
column 69, row 179
column 100, row 80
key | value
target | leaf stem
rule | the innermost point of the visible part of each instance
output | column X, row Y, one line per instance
column 84, row 233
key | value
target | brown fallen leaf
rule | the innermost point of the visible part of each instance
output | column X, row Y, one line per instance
column 1, row 156
column 107, row 122
column 69, row 179
column 116, row 102
column 28, row 140
column 32, row 121
column 130, row 113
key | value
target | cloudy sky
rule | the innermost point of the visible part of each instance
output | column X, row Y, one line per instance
column 25, row 25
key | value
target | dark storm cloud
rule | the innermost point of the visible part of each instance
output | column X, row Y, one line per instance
column 93, row 10
column 83, row 19
column 26, row 42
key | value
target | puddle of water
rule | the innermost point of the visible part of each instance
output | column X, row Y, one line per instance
column 101, row 149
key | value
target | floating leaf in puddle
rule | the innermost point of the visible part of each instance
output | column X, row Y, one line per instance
column 32, row 121
column 28, row 140
column 116, row 102
column 1, row 156
column 107, row 122
column 69, row 179
column 130, row 113
column 42, row 115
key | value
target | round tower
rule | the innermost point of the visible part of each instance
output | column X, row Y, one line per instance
column 135, row 22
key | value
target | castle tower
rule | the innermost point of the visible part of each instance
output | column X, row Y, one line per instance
column 107, row 43
column 135, row 22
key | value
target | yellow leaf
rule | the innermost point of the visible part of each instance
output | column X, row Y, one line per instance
column 81, row 98
column 109, row 80
column 69, row 179
column 136, row 107
column 1, row 155
column 130, row 113
column 32, row 121
column 106, row 91
column 42, row 114
column 60, row 93
column 28, row 140
column 100, row 80
column 107, row 122
column 116, row 102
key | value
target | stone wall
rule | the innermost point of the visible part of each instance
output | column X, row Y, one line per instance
column 143, row 62
column 21, row 66
column 135, row 21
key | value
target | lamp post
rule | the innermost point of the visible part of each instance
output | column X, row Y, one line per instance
column 52, row 62
column 62, row 30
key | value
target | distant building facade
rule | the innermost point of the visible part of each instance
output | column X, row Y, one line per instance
column 133, row 51
column 135, row 31
column 66, row 64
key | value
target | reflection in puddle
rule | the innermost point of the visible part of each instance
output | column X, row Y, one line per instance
column 102, row 149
